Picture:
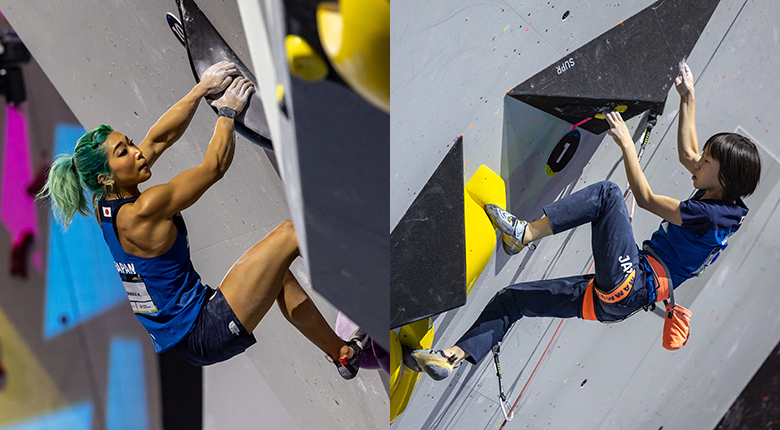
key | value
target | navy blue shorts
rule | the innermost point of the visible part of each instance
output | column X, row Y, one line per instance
column 217, row 334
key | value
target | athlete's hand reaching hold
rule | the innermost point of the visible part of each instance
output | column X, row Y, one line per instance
column 217, row 77
column 684, row 81
column 618, row 129
column 236, row 95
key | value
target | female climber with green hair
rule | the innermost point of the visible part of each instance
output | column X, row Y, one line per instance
column 148, row 238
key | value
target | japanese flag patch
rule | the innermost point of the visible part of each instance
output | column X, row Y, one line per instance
column 107, row 211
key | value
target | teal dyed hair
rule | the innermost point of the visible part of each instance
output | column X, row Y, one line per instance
column 72, row 177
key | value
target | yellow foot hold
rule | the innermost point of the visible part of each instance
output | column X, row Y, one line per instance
column 484, row 187
column 417, row 335
column 303, row 61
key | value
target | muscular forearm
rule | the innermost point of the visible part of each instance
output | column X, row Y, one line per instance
column 687, row 142
column 219, row 154
column 636, row 177
column 172, row 124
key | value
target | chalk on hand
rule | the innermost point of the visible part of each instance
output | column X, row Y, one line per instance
column 683, row 64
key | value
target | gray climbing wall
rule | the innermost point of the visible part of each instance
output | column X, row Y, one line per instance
column 118, row 63
column 452, row 64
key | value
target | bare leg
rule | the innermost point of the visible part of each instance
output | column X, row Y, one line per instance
column 257, row 279
column 301, row 312
column 537, row 230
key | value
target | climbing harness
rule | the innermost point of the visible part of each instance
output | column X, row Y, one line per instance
column 651, row 122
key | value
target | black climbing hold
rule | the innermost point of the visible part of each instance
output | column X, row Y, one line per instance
column 563, row 152
column 428, row 247
column 565, row 15
column 597, row 75
column 205, row 47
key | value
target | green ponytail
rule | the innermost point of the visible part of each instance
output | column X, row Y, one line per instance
column 70, row 177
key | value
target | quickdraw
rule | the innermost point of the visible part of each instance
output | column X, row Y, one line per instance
column 501, row 396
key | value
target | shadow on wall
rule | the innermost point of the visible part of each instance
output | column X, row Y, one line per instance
column 542, row 159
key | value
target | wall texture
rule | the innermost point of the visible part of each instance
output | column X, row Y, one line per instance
column 452, row 65
column 118, row 63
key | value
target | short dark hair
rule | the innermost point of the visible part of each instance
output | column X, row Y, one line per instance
column 740, row 164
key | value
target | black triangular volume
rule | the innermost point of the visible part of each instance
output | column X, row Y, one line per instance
column 428, row 247
column 633, row 64
column 205, row 46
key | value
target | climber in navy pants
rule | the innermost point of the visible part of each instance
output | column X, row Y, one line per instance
column 616, row 257
column 626, row 279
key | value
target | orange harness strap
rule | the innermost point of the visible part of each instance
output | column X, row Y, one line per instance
column 621, row 292
column 662, row 288
column 587, row 304
column 618, row 294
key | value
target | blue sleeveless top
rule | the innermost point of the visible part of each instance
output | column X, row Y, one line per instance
column 165, row 292
column 706, row 227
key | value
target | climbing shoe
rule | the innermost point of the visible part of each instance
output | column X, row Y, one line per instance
column 512, row 229
column 348, row 367
column 409, row 360
column 437, row 365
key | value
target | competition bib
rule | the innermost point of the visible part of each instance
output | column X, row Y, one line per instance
column 138, row 294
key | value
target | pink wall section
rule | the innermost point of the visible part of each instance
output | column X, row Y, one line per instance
column 78, row 362
column 17, row 206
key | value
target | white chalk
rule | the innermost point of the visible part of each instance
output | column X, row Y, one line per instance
column 682, row 64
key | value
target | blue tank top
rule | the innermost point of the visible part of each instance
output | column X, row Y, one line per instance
column 706, row 227
column 165, row 292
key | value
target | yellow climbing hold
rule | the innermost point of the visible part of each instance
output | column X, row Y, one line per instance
column 416, row 335
column 484, row 187
column 621, row 109
column 304, row 62
column 355, row 35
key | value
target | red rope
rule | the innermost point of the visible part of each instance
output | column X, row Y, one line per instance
column 530, row 378
column 534, row 372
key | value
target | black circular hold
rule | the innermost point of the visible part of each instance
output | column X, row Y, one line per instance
column 565, row 15
column 583, row 383
column 563, row 152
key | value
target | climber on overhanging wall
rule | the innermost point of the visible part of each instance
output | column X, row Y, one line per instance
column 626, row 278
column 148, row 237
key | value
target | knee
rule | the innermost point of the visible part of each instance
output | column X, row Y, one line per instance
column 611, row 190
column 287, row 229
column 287, row 226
